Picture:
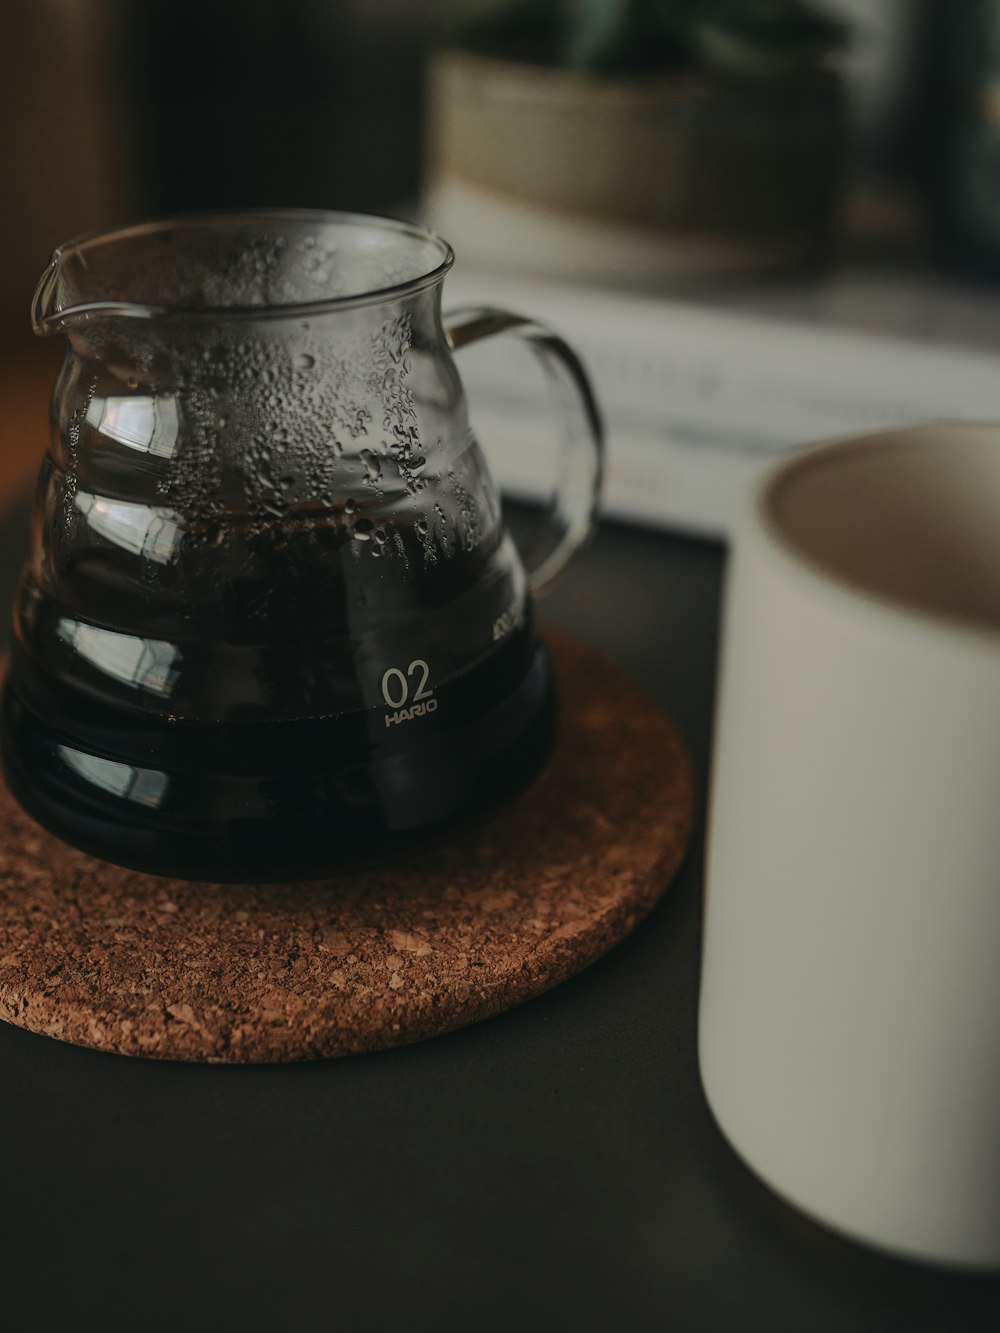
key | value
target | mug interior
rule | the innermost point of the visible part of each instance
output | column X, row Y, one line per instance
column 248, row 262
column 911, row 517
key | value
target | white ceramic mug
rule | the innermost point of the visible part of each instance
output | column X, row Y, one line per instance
column 850, row 1003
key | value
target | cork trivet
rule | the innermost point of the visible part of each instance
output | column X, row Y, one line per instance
column 127, row 962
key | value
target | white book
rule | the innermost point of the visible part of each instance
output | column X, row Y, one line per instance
column 698, row 400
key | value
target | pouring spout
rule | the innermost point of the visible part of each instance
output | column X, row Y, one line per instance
column 61, row 299
column 46, row 317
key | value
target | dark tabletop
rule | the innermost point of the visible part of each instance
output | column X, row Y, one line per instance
column 556, row 1167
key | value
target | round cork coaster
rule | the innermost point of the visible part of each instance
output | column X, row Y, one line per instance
column 132, row 963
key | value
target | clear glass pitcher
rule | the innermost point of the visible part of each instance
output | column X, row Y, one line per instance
column 272, row 622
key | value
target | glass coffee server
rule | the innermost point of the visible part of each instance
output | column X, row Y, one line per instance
column 272, row 622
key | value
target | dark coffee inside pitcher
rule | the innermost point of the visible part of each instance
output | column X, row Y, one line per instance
column 282, row 799
column 254, row 719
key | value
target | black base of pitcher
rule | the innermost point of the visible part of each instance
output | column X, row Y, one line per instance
column 265, row 802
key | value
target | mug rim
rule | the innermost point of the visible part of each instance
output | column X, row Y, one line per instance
column 838, row 590
column 44, row 321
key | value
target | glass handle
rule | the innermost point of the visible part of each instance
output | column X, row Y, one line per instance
column 571, row 510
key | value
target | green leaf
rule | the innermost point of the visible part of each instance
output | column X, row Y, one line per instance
column 757, row 37
column 762, row 36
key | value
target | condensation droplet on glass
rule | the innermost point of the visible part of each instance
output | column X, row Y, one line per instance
column 350, row 507
column 400, row 545
column 361, row 529
column 133, row 383
column 421, row 527
column 303, row 361
column 380, row 536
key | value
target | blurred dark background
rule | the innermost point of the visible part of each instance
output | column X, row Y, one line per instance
column 112, row 110
column 800, row 145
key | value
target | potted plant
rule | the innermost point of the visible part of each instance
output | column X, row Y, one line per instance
column 638, row 138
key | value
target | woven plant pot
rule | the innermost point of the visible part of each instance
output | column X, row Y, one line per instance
column 736, row 170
